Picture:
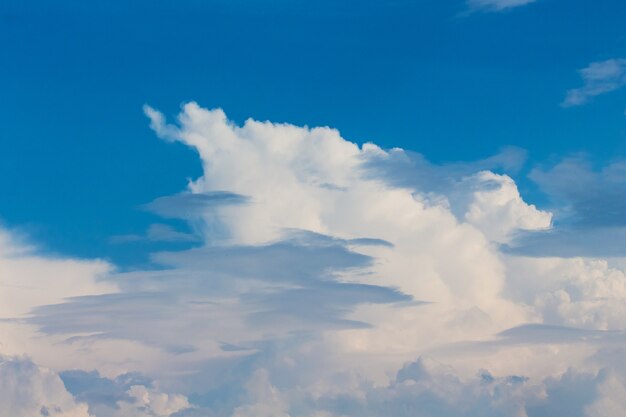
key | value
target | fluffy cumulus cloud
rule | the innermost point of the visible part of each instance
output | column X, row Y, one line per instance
column 589, row 211
column 327, row 279
column 581, row 293
column 127, row 395
column 31, row 391
column 598, row 78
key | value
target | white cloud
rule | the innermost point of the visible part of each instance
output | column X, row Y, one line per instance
column 428, row 388
column 264, row 399
column 27, row 390
column 28, row 280
column 312, row 179
column 598, row 78
column 496, row 5
column 577, row 292
column 157, row 233
column 323, row 268
column 612, row 401
column 442, row 245
column 127, row 395
column 493, row 204
column 146, row 402
column 589, row 211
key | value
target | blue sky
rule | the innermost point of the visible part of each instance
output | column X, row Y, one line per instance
column 422, row 75
column 294, row 208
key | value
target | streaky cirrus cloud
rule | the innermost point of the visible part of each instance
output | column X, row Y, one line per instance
column 598, row 78
column 496, row 5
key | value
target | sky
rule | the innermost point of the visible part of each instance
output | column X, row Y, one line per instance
column 246, row 208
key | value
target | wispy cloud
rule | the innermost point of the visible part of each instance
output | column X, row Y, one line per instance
column 598, row 78
column 496, row 5
column 157, row 233
column 193, row 205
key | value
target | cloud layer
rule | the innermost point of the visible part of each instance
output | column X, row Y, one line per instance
column 327, row 279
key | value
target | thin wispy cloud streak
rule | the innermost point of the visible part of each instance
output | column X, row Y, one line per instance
column 598, row 78
column 192, row 205
column 496, row 5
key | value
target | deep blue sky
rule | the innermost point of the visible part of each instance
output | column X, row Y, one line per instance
column 77, row 156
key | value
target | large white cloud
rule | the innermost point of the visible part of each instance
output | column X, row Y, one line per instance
column 312, row 179
column 323, row 267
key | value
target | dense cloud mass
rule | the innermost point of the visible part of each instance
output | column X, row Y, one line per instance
column 328, row 279
column 29, row 391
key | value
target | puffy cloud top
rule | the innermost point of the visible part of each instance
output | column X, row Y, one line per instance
column 327, row 279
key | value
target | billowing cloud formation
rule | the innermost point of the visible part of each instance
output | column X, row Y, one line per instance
column 496, row 5
column 598, row 78
column 589, row 211
column 598, row 198
column 428, row 388
column 128, row 395
column 30, row 391
column 332, row 279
